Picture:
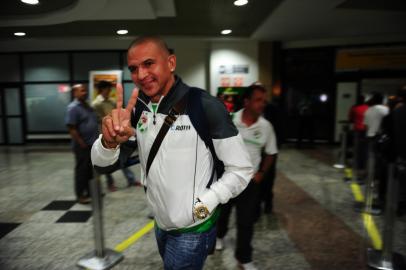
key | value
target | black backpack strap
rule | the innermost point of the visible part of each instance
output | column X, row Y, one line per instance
column 200, row 123
column 173, row 114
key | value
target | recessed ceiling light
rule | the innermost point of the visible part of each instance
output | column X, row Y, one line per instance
column 226, row 31
column 122, row 32
column 30, row 2
column 240, row 2
column 19, row 34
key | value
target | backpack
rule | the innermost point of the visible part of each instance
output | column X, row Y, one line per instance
column 200, row 123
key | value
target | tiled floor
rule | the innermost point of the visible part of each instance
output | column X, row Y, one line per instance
column 41, row 226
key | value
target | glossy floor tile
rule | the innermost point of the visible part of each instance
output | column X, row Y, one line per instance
column 314, row 224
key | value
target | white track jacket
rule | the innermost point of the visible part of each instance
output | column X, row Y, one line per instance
column 183, row 164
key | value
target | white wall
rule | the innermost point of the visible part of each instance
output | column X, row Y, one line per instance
column 233, row 53
column 191, row 61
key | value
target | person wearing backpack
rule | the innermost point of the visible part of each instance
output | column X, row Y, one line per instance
column 178, row 161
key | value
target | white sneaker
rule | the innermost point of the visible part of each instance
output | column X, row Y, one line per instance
column 247, row 266
column 219, row 244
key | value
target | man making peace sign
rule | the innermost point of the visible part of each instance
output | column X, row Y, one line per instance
column 178, row 189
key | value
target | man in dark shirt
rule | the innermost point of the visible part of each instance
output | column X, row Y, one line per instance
column 81, row 121
column 399, row 132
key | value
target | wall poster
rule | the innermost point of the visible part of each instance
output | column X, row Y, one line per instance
column 95, row 76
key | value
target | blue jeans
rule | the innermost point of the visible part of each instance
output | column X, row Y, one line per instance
column 129, row 175
column 184, row 250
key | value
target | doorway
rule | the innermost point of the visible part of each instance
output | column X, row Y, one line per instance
column 11, row 115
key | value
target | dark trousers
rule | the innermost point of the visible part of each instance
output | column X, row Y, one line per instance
column 83, row 171
column 360, row 149
column 246, row 204
column 267, row 187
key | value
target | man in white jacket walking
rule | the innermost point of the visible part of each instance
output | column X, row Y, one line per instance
column 181, row 187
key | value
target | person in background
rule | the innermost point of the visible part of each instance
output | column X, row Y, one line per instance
column 103, row 105
column 373, row 120
column 273, row 114
column 374, row 115
column 399, row 134
column 81, row 121
column 259, row 137
column 356, row 117
column 178, row 182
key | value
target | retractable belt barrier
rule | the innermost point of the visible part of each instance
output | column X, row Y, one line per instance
column 343, row 146
column 368, row 206
column 355, row 147
column 101, row 258
column 387, row 259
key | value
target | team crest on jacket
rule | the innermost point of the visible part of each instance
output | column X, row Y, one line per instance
column 142, row 123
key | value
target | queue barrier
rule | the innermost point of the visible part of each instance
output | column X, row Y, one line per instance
column 101, row 258
column 386, row 259
column 341, row 163
column 370, row 185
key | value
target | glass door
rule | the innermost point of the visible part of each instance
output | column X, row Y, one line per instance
column 11, row 116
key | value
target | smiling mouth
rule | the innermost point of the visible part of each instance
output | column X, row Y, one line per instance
column 147, row 84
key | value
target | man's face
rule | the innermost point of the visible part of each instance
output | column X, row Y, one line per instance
column 105, row 92
column 151, row 69
column 80, row 92
column 256, row 104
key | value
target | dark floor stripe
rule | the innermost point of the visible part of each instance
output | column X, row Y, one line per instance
column 59, row 205
column 325, row 240
column 75, row 216
column 5, row 228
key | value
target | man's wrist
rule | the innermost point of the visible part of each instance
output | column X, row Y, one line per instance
column 108, row 145
column 200, row 210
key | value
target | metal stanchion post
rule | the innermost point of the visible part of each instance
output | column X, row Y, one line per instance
column 367, row 206
column 385, row 259
column 101, row 258
column 370, row 178
column 355, row 157
column 343, row 147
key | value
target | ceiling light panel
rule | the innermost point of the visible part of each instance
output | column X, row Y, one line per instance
column 30, row 2
column 226, row 31
column 240, row 3
column 122, row 32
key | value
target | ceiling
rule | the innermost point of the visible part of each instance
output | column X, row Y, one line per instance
column 283, row 20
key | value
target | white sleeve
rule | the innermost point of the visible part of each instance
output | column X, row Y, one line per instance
column 238, row 172
column 102, row 156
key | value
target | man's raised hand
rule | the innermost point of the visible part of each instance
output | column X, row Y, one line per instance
column 116, row 127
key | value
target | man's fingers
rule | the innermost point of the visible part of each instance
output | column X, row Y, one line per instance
column 133, row 100
column 115, row 116
column 107, row 129
column 119, row 88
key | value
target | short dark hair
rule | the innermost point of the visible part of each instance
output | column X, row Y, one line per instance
column 250, row 90
column 104, row 85
column 360, row 99
column 155, row 39
column 377, row 98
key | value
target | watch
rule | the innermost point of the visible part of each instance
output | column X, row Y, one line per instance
column 200, row 210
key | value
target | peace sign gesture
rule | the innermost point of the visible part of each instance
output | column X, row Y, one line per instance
column 116, row 127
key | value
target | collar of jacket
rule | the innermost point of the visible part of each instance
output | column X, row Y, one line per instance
column 175, row 93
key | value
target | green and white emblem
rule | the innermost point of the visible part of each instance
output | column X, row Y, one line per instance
column 142, row 124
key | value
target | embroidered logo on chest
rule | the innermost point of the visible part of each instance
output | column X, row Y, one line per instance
column 142, row 124
column 257, row 134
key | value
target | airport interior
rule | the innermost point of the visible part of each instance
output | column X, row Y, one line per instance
column 315, row 58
